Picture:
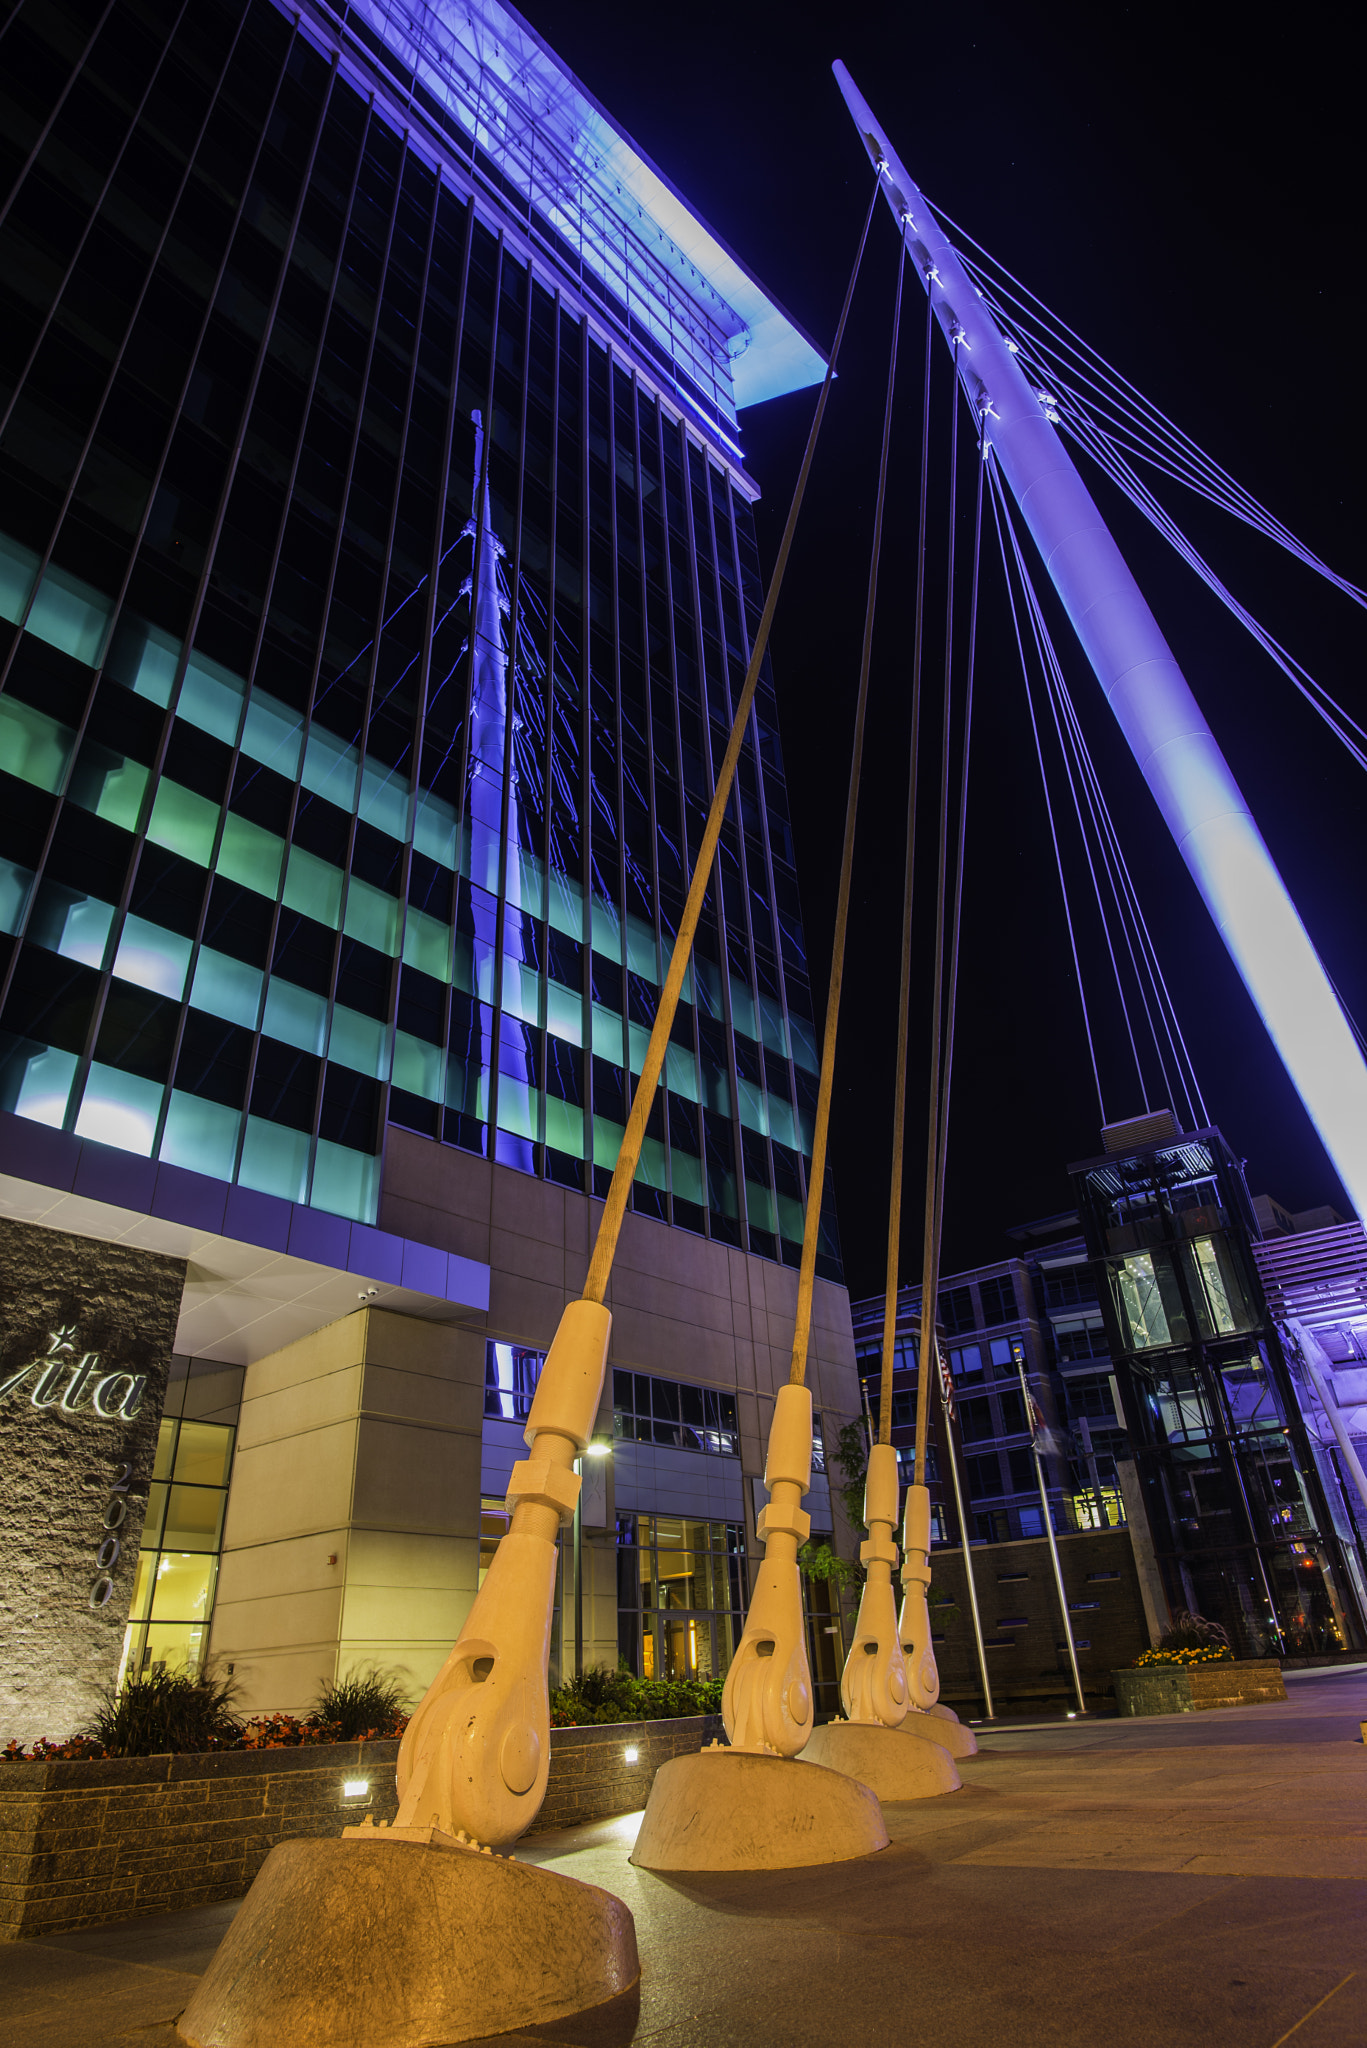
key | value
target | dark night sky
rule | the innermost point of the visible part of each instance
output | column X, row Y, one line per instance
column 1185, row 190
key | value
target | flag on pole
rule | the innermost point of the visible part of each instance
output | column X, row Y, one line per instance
column 946, row 1383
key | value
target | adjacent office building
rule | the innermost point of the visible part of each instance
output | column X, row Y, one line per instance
column 378, row 570
column 1151, row 1323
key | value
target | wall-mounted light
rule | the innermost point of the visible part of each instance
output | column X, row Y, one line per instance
column 355, row 1788
column 598, row 1449
column 631, row 1755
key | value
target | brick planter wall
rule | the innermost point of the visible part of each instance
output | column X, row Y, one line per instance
column 85, row 1843
column 1242, row 1682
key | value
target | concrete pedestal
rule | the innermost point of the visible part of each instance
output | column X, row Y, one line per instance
column 730, row 1809
column 398, row 1944
column 888, row 1762
column 947, row 1730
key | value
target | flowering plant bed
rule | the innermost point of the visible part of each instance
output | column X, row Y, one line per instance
column 1184, row 1659
column 1197, row 1686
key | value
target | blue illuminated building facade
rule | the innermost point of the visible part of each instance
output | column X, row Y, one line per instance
column 272, row 882
column 377, row 576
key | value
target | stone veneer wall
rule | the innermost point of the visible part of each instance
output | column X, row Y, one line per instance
column 1241, row 1682
column 1015, row 1583
column 82, row 1844
column 98, row 1310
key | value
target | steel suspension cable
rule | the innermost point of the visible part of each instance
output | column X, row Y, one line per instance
column 1128, row 909
column 629, row 1152
column 956, row 915
column 899, row 1086
column 1040, row 634
column 816, row 1182
column 929, row 1250
column 997, row 509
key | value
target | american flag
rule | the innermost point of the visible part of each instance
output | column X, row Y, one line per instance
column 946, row 1384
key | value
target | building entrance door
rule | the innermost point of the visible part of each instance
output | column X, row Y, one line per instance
column 685, row 1646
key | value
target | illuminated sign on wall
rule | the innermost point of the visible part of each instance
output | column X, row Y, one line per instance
column 113, row 1396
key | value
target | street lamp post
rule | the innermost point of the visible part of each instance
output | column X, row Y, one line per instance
column 596, row 1449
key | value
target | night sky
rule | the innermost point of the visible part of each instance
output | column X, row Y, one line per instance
column 1185, row 191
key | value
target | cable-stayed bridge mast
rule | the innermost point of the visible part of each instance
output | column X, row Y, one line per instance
column 1177, row 753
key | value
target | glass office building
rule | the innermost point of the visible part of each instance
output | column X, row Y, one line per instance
column 1240, row 1520
column 377, row 578
column 355, row 760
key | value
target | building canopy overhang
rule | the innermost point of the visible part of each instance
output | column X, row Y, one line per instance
column 619, row 216
column 260, row 1272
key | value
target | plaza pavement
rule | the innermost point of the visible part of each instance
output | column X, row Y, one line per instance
column 1191, row 1879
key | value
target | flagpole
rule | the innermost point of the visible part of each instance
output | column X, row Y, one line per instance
column 947, row 1410
column 1031, row 1411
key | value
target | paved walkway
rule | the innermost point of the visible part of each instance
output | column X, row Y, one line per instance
column 1194, row 1879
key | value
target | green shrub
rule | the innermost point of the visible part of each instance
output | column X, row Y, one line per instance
column 167, row 1712
column 601, row 1696
column 372, row 1702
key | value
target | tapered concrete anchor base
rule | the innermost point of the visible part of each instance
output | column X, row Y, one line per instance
column 730, row 1809
column 949, row 1732
column 884, row 1759
column 398, row 1944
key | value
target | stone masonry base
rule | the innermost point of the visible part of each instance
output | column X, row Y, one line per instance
column 85, row 1843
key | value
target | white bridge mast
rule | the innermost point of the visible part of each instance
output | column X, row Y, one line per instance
column 1169, row 738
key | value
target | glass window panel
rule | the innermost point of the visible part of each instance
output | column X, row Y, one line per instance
column 345, row 1183
column 40, row 1082
column 357, row 1041
column 109, row 785
column 211, row 698
column 204, row 1454
column 18, row 567
column 200, row 1135
column 153, row 958
column 436, row 832
column 273, row 734
column 71, row 924
column 517, row 1107
column 119, row 1109
column 384, row 798
column 184, row 1586
column 33, row 746
column 15, row 884
column 297, row 1016
column 183, row 822
column 250, row 855
column 427, row 945
column 565, row 1013
column 274, row 1159
column 313, row 887
column 687, row 1174
column 155, row 675
column 418, row 1067
column 564, row 1126
column 228, row 988
column 69, row 614
column 142, row 1585
column 177, row 1646
column 330, row 769
column 372, row 916
column 194, row 1517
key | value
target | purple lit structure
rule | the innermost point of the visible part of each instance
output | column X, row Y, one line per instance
column 1175, row 748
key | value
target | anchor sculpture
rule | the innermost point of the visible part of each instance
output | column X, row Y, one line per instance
column 767, row 1698
column 475, row 1756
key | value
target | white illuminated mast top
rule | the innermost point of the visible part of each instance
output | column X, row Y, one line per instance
column 1175, row 748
